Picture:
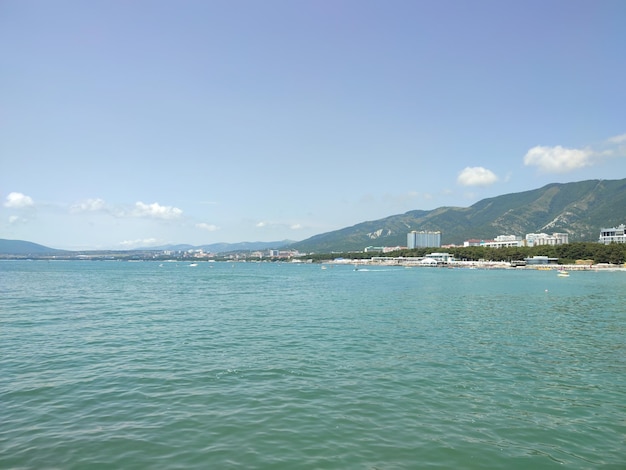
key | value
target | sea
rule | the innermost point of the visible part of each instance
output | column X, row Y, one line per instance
column 148, row 365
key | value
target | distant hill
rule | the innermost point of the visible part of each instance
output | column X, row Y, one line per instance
column 246, row 246
column 579, row 209
column 227, row 247
column 23, row 248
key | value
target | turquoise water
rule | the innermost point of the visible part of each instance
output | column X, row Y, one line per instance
column 258, row 365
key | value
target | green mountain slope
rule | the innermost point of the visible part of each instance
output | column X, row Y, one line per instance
column 579, row 209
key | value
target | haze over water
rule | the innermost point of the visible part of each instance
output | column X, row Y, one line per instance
column 259, row 365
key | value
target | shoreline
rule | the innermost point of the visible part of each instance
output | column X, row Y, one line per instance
column 402, row 262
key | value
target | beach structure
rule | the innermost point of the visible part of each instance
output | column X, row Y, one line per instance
column 540, row 260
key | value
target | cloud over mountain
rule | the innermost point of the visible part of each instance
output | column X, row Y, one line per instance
column 559, row 159
column 476, row 176
column 140, row 242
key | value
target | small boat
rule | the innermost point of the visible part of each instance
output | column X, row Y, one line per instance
column 563, row 273
column 193, row 265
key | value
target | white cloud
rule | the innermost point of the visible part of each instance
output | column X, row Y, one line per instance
column 476, row 176
column 418, row 195
column 207, row 227
column 139, row 210
column 18, row 201
column 272, row 225
column 155, row 210
column 618, row 139
column 140, row 242
column 558, row 159
column 89, row 205
column 617, row 146
column 14, row 220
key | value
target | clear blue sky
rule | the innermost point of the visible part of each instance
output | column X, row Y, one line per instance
column 139, row 123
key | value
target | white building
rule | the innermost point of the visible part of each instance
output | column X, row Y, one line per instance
column 423, row 239
column 473, row 242
column 614, row 234
column 440, row 258
column 538, row 239
column 502, row 241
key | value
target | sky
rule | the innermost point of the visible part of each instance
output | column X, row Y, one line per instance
column 150, row 122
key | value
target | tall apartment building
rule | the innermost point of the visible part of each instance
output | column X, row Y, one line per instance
column 614, row 234
column 423, row 239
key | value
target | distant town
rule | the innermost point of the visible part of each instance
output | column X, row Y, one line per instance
column 502, row 251
column 432, row 239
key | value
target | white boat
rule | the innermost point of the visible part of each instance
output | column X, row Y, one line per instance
column 563, row 273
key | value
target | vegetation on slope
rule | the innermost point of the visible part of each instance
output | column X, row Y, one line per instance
column 579, row 209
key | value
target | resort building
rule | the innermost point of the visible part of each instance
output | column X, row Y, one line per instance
column 438, row 258
column 613, row 235
column 389, row 249
column 538, row 239
column 502, row 241
column 423, row 239
column 473, row 242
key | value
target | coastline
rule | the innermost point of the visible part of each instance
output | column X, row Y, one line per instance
column 414, row 263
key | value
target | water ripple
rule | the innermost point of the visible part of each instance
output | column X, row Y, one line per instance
column 123, row 365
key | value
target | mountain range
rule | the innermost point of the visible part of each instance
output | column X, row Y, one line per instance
column 579, row 209
column 24, row 248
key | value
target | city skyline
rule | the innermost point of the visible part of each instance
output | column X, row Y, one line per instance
column 141, row 124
